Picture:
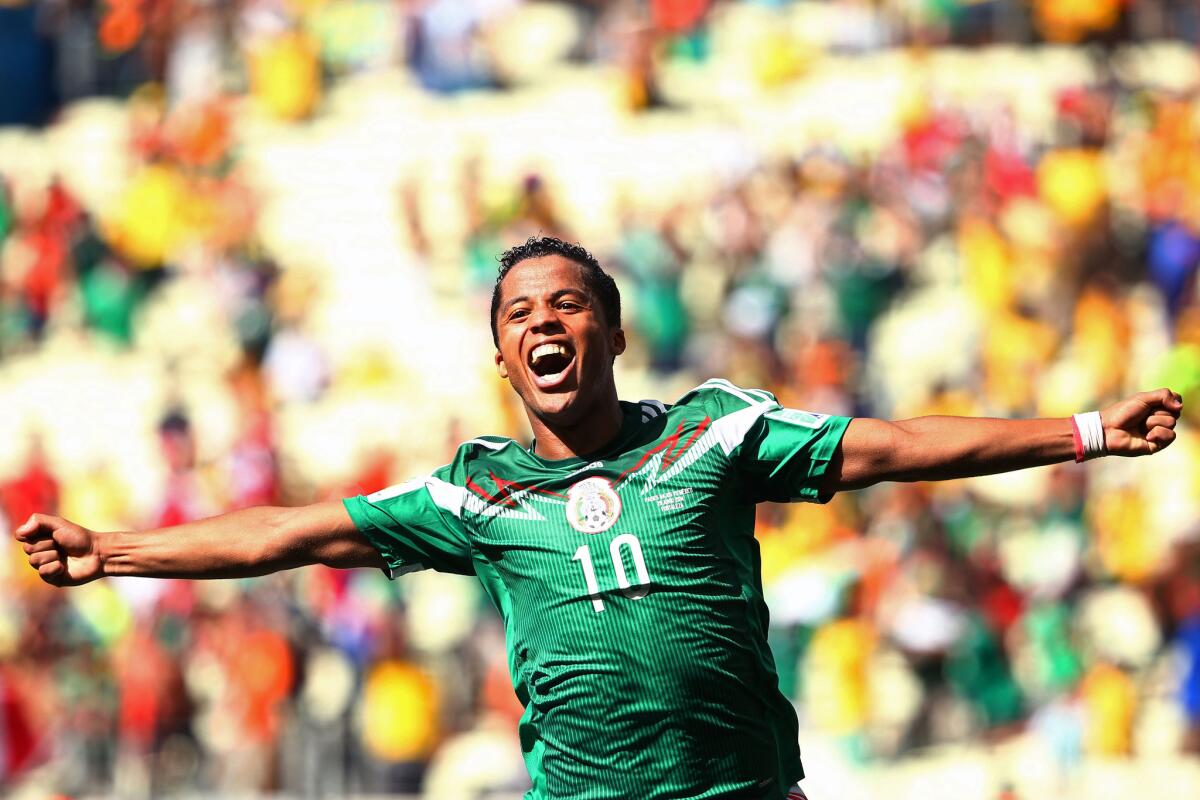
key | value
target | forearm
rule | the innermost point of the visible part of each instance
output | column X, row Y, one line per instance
column 249, row 542
column 940, row 448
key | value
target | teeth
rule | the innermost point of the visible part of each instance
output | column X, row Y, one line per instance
column 543, row 350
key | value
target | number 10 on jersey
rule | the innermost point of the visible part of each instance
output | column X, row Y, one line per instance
column 626, row 541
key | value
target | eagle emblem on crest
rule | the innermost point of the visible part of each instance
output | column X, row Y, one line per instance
column 592, row 505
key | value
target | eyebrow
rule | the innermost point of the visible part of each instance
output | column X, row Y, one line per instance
column 553, row 297
column 510, row 303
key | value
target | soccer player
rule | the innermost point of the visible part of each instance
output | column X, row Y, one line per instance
column 618, row 546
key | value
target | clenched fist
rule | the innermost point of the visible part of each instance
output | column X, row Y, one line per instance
column 1142, row 424
column 63, row 553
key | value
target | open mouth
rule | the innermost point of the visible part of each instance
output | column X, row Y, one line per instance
column 550, row 363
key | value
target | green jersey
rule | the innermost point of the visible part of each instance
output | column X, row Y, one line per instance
column 630, row 589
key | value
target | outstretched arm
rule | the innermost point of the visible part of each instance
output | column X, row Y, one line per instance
column 939, row 448
column 253, row 541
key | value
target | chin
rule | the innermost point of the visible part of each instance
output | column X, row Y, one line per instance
column 563, row 409
column 557, row 413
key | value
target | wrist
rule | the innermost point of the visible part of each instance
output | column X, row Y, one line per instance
column 104, row 547
column 1089, row 435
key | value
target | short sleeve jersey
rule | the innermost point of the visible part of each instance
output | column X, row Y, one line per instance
column 630, row 590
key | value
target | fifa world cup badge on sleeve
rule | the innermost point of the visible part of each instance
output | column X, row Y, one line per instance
column 593, row 506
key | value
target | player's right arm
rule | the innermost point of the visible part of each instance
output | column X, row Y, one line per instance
column 252, row 541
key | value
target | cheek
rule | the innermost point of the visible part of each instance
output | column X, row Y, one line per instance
column 507, row 357
column 599, row 352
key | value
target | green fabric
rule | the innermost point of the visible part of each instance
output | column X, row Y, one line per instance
column 6, row 215
column 16, row 324
column 964, row 527
column 480, row 261
column 110, row 297
column 658, row 682
column 977, row 668
column 1059, row 665
column 863, row 292
column 660, row 314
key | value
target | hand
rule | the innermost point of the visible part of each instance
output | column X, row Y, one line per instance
column 1142, row 424
column 63, row 553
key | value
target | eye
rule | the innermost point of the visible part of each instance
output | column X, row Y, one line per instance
column 569, row 305
column 518, row 313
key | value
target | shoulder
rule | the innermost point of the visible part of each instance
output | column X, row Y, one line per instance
column 730, row 410
column 480, row 450
column 718, row 398
column 483, row 445
column 447, row 485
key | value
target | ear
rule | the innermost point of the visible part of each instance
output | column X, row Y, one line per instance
column 618, row 341
column 501, row 367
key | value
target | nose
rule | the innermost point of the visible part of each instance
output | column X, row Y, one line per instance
column 544, row 316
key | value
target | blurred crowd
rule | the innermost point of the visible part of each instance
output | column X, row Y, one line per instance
column 180, row 336
column 57, row 51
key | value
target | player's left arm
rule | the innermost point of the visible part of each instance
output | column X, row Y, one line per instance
column 939, row 448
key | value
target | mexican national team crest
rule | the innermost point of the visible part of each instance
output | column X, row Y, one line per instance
column 592, row 506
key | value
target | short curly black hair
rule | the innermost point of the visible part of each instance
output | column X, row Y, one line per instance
column 598, row 282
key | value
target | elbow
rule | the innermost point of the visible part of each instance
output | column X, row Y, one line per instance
column 281, row 542
column 901, row 459
column 321, row 534
column 887, row 454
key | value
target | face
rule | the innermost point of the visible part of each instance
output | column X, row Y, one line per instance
column 556, row 347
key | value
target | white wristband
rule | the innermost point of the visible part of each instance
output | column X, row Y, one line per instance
column 1091, row 434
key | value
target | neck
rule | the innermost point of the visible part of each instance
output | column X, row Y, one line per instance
column 590, row 433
